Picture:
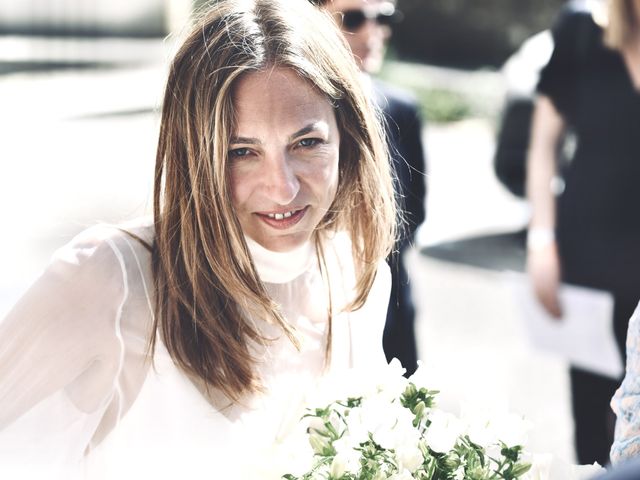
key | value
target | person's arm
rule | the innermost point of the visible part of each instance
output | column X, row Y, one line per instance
column 543, row 263
column 60, row 353
column 626, row 401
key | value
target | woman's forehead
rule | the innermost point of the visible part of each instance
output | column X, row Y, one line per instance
column 278, row 97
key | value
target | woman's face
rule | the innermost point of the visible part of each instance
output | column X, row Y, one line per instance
column 283, row 158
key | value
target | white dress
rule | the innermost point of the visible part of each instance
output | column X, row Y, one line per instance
column 80, row 397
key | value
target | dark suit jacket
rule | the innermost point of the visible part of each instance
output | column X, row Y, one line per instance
column 403, row 126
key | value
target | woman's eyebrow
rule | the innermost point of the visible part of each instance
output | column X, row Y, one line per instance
column 320, row 125
column 315, row 126
column 247, row 140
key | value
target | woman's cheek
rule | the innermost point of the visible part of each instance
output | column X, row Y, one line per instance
column 239, row 185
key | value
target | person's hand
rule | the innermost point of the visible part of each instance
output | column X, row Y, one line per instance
column 543, row 265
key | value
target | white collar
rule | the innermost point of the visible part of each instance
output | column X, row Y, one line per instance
column 281, row 267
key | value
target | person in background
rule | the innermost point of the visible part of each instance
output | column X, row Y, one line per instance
column 366, row 25
column 629, row 470
column 584, row 231
column 626, row 402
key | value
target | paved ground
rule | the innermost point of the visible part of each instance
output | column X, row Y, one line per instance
column 78, row 147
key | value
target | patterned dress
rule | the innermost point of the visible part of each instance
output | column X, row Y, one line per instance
column 626, row 402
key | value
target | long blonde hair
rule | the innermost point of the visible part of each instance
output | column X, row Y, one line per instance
column 206, row 284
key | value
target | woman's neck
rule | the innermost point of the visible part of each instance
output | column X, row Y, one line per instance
column 281, row 267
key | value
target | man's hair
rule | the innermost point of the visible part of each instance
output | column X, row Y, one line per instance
column 207, row 288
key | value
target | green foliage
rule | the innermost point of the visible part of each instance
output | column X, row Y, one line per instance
column 442, row 106
column 440, row 101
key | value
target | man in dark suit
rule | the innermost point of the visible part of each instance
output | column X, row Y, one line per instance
column 366, row 27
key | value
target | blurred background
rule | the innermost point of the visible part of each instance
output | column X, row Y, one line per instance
column 80, row 88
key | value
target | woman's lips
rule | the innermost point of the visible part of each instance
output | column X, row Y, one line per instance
column 283, row 220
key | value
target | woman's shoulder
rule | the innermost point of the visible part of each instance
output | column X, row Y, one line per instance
column 141, row 229
column 102, row 241
column 104, row 277
column 105, row 254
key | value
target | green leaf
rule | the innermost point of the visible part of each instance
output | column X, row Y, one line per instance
column 520, row 469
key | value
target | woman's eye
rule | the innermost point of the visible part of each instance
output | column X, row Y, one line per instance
column 309, row 142
column 239, row 152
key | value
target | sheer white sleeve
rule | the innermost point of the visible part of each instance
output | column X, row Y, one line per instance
column 62, row 351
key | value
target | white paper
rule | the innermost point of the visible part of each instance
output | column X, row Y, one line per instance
column 583, row 336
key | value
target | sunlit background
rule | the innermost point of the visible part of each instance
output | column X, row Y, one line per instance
column 80, row 90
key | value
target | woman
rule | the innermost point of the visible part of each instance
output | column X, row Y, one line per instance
column 166, row 350
column 585, row 236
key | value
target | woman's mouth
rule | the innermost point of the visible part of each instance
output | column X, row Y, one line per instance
column 283, row 220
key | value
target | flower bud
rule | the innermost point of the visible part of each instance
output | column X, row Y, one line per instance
column 318, row 443
column 338, row 467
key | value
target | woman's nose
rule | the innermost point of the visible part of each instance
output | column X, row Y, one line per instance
column 280, row 180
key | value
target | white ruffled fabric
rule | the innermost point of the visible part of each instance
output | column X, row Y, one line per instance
column 80, row 398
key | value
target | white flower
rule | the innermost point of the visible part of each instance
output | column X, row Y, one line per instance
column 420, row 377
column 442, row 434
column 358, row 427
column 390, row 382
column 540, row 466
column 347, row 456
column 584, row 472
column 512, row 429
column 338, row 466
column 561, row 470
column 390, row 424
column 404, row 475
column 409, row 458
column 316, row 424
column 493, row 451
column 486, row 427
column 318, row 443
column 292, row 455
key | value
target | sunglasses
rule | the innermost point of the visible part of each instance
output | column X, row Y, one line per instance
column 353, row 20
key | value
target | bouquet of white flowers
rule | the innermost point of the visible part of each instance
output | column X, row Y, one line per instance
column 388, row 427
